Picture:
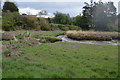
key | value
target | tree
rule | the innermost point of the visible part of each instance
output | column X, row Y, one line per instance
column 11, row 6
column 119, row 22
column 42, row 13
column 104, row 15
column 61, row 18
column 99, row 15
column 82, row 22
column 87, row 18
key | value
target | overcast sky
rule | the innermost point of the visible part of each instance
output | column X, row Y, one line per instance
column 62, row 0
column 72, row 9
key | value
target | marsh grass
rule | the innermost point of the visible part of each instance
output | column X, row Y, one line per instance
column 49, row 39
column 90, row 35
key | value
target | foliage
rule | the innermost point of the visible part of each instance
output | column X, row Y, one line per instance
column 82, row 22
column 30, row 23
column 11, row 6
column 64, row 27
column 119, row 22
column 61, row 18
column 14, row 21
column 8, row 22
column 44, row 25
column 99, row 15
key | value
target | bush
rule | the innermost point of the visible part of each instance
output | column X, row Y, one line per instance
column 54, row 27
column 44, row 25
column 30, row 22
column 64, row 27
column 8, row 23
column 48, row 39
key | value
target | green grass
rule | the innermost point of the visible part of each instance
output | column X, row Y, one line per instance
column 60, row 59
column 63, row 60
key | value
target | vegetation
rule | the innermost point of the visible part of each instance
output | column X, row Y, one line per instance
column 63, row 60
column 98, row 16
column 98, row 36
column 64, row 27
column 24, row 57
column 49, row 39
column 10, row 6
column 119, row 22
column 61, row 18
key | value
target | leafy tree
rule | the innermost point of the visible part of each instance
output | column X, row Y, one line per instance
column 99, row 15
column 119, row 22
column 61, row 18
column 11, row 6
column 104, row 14
column 87, row 18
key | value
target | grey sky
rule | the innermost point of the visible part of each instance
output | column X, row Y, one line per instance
column 72, row 9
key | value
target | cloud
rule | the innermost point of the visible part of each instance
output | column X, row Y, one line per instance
column 62, row 0
column 32, row 11
column 28, row 11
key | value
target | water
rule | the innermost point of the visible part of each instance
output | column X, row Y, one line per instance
column 66, row 39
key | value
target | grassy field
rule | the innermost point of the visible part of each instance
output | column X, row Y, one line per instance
column 62, row 60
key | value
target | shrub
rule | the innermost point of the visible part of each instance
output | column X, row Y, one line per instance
column 54, row 27
column 30, row 22
column 64, row 27
column 44, row 25
column 8, row 23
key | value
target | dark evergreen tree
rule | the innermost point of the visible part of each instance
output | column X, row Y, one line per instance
column 11, row 6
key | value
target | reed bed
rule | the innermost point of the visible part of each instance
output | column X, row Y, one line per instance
column 90, row 35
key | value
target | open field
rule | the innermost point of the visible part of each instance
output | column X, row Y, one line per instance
column 61, row 60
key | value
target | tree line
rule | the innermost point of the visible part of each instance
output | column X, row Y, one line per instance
column 96, row 16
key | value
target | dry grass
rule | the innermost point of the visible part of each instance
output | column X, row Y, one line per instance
column 94, row 33
column 113, row 35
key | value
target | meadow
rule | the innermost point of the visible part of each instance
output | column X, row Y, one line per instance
column 59, row 59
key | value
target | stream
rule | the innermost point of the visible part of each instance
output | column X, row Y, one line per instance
column 66, row 39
